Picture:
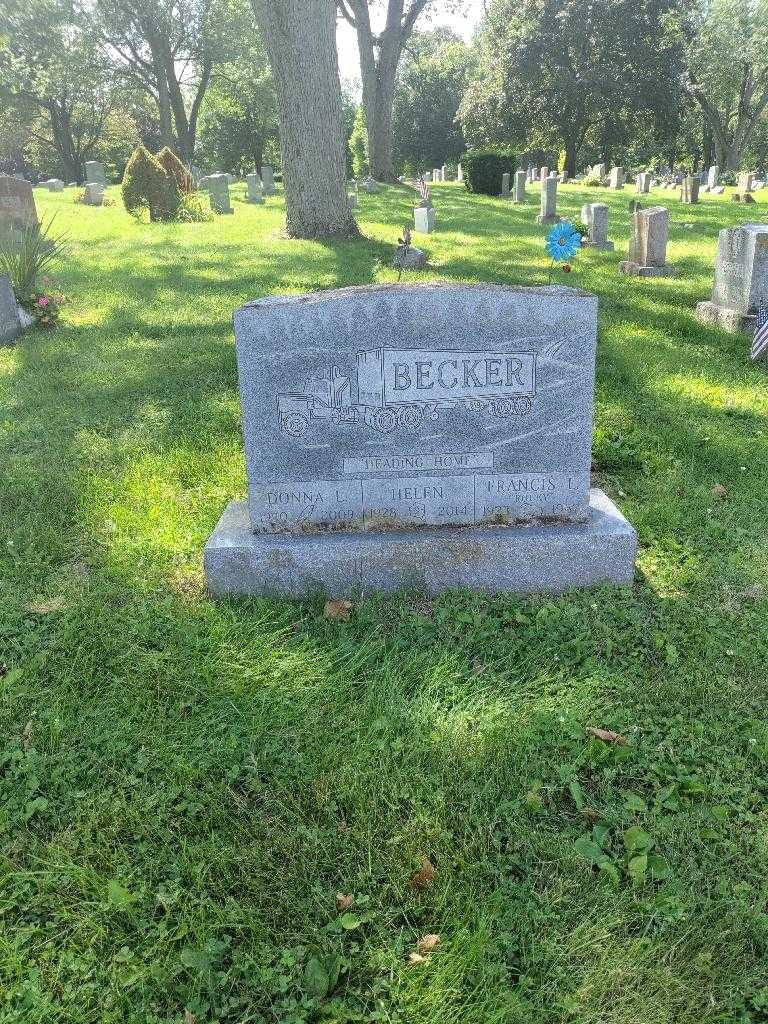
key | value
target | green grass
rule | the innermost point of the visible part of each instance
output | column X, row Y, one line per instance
column 186, row 785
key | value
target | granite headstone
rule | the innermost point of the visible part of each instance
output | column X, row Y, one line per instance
column 648, row 244
column 17, row 207
column 548, row 212
column 428, row 436
column 10, row 322
column 595, row 217
column 741, row 278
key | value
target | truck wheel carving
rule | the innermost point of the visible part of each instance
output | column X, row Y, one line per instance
column 384, row 420
column 411, row 417
column 294, row 424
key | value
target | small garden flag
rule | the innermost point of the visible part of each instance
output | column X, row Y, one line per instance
column 760, row 340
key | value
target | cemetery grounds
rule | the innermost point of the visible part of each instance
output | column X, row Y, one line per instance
column 245, row 811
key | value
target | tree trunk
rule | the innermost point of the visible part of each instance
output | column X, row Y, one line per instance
column 379, row 72
column 301, row 42
column 571, row 155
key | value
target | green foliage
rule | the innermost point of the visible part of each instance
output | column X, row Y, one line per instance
column 483, row 169
column 193, row 209
column 535, row 86
column 184, row 181
column 27, row 253
column 430, row 82
column 148, row 186
column 358, row 144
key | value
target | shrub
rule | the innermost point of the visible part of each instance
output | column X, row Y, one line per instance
column 592, row 180
column 193, row 209
column 184, row 180
column 483, row 169
column 25, row 254
column 148, row 186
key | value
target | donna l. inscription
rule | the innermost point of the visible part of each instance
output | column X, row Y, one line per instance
column 380, row 503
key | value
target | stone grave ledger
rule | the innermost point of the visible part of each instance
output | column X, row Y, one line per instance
column 428, row 436
column 741, row 278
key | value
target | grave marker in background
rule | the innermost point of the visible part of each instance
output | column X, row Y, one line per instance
column 267, row 180
column 741, row 278
column 17, row 207
column 548, row 212
column 595, row 216
column 648, row 244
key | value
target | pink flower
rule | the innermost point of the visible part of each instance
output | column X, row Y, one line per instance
column 43, row 301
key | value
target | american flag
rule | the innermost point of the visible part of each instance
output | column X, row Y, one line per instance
column 760, row 340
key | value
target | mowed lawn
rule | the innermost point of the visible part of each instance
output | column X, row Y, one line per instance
column 186, row 785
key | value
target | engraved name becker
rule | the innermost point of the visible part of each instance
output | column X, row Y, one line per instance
column 403, row 387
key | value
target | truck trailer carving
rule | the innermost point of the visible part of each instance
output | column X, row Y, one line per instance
column 403, row 387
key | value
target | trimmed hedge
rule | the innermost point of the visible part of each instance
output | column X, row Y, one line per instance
column 147, row 185
column 483, row 169
column 184, row 180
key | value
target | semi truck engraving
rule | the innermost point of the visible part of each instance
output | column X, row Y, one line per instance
column 403, row 387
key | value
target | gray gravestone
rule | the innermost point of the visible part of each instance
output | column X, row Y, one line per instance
column 713, row 176
column 253, row 182
column 352, row 200
column 643, row 182
column 548, row 214
column 595, row 216
column 505, row 184
column 430, row 436
column 518, row 196
column 648, row 244
column 53, row 184
column 600, row 171
column 94, row 194
column 543, row 174
column 17, row 207
column 267, row 180
column 10, row 323
column 741, row 278
column 218, row 190
column 690, row 189
column 424, row 219
column 459, row 173
column 746, row 180
column 95, row 173
column 616, row 179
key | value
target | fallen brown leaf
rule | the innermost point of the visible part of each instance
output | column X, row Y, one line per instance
column 53, row 604
column 427, row 943
column 719, row 491
column 607, row 736
column 425, row 876
column 189, row 1017
column 416, row 958
column 338, row 611
column 344, row 901
column 590, row 813
column 26, row 736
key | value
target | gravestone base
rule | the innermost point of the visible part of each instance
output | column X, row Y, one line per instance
column 636, row 270
column 725, row 317
column 552, row 558
column 602, row 246
column 549, row 219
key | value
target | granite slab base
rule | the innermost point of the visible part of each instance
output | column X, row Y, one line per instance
column 553, row 558
column 729, row 319
column 540, row 219
column 636, row 270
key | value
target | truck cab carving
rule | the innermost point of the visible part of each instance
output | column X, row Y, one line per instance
column 403, row 387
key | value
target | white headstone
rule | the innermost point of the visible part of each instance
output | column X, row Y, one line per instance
column 424, row 219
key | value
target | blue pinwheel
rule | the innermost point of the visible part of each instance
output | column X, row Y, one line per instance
column 563, row 242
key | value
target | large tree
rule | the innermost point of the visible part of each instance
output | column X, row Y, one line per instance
column 728, row 72
column 54, row 73
column 430, row 84
column 380, row 53
column 300, row 38
column 170, row 49
column 551, row 72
